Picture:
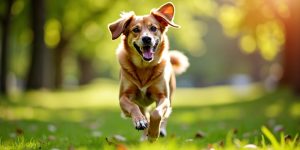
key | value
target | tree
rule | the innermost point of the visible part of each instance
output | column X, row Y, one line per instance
column 4, row 46
column 86, row 71
column 39, row 70
column 62, row 48
column 268, row 25
column 291, row 53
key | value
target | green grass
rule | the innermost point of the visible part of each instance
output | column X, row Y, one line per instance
column 89, row 118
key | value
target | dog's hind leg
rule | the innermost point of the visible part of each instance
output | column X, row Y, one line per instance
column 163, row 130
column 156, row 118
column 163, row 126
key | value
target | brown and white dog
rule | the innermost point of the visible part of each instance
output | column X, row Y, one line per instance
column 147, row 68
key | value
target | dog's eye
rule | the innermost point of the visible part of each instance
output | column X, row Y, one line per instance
column 153, row 28
column 136, row 30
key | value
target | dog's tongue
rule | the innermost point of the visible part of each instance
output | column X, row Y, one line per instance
column 147, row 53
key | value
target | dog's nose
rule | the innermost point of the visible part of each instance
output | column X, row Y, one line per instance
column 146, row 40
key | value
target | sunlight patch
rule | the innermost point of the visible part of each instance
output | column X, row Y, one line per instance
column 187, row 117
column 273, row 110
column 294, row 110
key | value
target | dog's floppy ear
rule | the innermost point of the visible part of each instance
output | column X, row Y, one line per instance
column 117, row 28
column 165, row 14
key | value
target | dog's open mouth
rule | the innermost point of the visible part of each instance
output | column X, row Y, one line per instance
column 147, row 52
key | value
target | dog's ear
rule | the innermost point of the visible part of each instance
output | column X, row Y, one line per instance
column 117, row 28
column 165, row 15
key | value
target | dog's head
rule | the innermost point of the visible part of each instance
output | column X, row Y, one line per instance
column 144, row 34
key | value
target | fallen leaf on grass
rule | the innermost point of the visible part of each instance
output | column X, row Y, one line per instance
column 288, row 138
column 19, row 131
column 235, row 130
column 51, row 138
column 221, row 143
column 119, row 138
column 115, row 139
column 250, row 146
column 199, row 135
column 278, row 128
column 189, row 140
column 96, row 133
column 121, row 147
column 52, row 128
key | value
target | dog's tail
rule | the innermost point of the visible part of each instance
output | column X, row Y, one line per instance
column 179, row 61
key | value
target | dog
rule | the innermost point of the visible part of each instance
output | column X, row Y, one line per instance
column 148, row 68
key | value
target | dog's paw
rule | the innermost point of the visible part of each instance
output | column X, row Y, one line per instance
column 141, row 123
column 163, row 132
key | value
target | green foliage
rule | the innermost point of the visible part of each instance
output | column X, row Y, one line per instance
column 83, row 24
column 263, row 32
column 270, row 136
column 284, row 143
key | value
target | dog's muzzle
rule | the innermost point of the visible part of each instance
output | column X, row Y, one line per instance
column 147, row 50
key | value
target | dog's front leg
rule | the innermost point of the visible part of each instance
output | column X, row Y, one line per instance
column 132, row 110
column 156, row 117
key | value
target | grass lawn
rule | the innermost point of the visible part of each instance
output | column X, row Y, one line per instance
column 205, row 118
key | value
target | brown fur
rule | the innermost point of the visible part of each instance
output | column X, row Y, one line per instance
column 147, row 75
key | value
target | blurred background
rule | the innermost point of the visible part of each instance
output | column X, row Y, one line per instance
column 59, row 73
column 63, row 44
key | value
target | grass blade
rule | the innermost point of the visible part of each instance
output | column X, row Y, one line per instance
column 263, row 142
column 270, row 136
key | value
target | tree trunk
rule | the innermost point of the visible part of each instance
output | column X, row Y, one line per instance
column 86, row 70
column 4, row 47
column 39, row 73
column 60, row 51
column 291, row 53
column 256, row 65
column 58, row 68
